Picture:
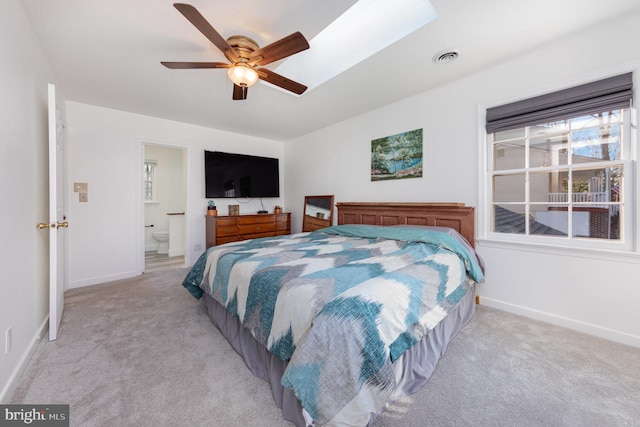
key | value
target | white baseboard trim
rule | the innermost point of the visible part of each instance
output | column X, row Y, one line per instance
column 10, row 387
column 176, row 252
column 575, row 325
column 102, row 279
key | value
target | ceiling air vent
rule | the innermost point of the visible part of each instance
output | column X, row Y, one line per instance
column 445, row 56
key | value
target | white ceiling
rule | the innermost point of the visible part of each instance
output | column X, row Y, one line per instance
column 108, row 52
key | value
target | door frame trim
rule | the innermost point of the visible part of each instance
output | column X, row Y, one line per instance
column 186, row 151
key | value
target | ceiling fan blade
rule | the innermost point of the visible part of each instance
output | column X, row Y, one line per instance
column 281, row 81
column 196, row 18
column 191, row 65
column 239, row 92
column 282, row 48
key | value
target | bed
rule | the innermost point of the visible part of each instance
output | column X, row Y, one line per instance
column 344, row 320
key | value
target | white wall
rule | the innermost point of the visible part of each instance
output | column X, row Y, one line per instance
column 105, row 151
column 24, row 287
column 583, row 290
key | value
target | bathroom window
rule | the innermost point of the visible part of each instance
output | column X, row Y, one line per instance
column 150, row 181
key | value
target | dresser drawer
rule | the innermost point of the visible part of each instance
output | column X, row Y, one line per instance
column 282, row 223
column 226, row 231
column 225, row 222
column 257, row 235
column 255, row 220
column 222, row 240
column 282, row 226
column 257, row 228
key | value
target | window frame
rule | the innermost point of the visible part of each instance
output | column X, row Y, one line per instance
column 153, row 180
column 629, row 223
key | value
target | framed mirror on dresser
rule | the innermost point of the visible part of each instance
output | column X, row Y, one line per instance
column 318, row 212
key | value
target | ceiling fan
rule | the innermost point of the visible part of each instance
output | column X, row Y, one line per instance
column 245, row 56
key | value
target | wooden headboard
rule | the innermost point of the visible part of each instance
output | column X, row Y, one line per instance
column 453, row 215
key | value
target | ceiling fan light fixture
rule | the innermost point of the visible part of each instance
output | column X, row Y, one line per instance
column 243, row 75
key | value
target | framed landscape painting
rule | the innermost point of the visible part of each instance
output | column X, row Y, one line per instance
column 397, row 156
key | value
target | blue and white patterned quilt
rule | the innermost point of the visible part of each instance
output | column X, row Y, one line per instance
column 339, row 304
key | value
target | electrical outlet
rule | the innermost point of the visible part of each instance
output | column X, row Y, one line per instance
column 8, row 338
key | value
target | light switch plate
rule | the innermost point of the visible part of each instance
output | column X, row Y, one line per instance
column 83, row 197
column 80, row 187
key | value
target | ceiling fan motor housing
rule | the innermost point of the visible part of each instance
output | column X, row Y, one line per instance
column 243, row 46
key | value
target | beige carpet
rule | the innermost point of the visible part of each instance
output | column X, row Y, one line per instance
column 142, row 352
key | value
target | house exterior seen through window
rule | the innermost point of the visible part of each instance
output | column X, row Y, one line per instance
column 564, row 177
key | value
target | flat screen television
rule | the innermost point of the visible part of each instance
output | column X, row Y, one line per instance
column 229, row 175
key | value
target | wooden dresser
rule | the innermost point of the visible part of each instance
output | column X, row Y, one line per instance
column 225, row 229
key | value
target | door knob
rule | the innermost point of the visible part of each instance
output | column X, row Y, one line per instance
column 43, row 225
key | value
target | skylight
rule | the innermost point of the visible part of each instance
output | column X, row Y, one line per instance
column 363, row 30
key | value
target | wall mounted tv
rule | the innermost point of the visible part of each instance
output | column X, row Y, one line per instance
column 239, row 175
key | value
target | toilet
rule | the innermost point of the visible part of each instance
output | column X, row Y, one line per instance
column 162, row 237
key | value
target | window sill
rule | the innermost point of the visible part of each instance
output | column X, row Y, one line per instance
column 151, row 202
column 631, row 257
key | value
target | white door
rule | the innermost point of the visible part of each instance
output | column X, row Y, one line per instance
column 57, row 217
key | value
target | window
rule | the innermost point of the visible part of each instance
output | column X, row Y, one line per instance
column 150, row 181
column 559, row 166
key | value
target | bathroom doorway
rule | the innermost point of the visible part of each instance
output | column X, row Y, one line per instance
column 164, row 195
